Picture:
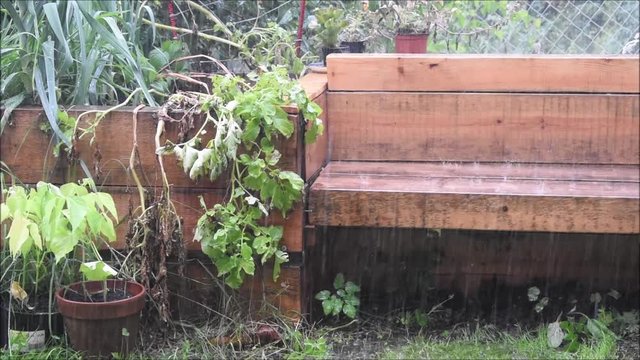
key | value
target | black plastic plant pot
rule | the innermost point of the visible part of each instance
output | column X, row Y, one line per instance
column 337, row 50
column 25, row 330
column 355, row 47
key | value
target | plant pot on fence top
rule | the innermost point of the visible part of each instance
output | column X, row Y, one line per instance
column 411, row 43
column 336, row 50
column 355, row 47
column 101, row 328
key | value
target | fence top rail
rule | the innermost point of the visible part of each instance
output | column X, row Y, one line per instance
column 490, row 73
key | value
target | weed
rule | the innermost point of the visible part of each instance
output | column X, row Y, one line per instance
column 345, row 300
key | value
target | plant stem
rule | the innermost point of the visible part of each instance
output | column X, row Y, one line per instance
column 134, row 150
column 208, row 13
column 187, row 31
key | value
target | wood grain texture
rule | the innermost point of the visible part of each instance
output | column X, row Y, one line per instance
column 398, row 267
column 520, row 73
column 284, row 293
column 317, row 154
column 523, row 203
column 541, row 128
column 27, row 150
column 198, row 287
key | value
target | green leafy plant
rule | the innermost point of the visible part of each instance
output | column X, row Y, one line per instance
column 246, row 119
column 360, row 26
column 576, row 329
column 417, row 317
column 331, row 21
column 303, row 347
column 345, row 300
column 268, row 47
column 48, row 223
column 413, row 19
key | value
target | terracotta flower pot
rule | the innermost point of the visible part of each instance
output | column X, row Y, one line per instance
column 102, row 328
column 411, row 43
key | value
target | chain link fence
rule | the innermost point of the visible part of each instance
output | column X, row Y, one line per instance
column 563, row 27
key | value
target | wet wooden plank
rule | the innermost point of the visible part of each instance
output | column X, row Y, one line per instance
column 475, row 203
column 201, row 286
column 27, row 151
column 401, row 266
column 519, row 73
column 540, row 128
column 284, row 294
column 500, row 171
column 317, row 154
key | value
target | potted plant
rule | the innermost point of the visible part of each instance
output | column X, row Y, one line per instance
column 63, row 224
column 331, row 21
column 101, row 316
column 412, row 28
column 356, row 32
column 28, row 317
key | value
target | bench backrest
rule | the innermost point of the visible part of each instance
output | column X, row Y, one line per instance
column 538, row 109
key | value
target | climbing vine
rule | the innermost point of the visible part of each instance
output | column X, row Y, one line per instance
column 244, row 118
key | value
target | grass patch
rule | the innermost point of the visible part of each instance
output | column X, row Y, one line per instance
column 500, row 346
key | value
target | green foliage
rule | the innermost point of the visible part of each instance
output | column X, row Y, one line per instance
column 345, row 300
column 417, row 317
column 331, row 21
column 246, row 120
column 96, row 271
column 269, row 47
column 576, row 329
column 303, row 347
column 49, row 221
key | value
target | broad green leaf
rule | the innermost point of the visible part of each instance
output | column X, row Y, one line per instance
column 18, row 233
column 108, row 230
column 77, row 211
column 283, row 125
column 97, row 271
column 327, row 306
column 323, row 295
column 4, row 212
column 294, row 179
column 34, row 232
column 349, row 310
column 61, row 244
column 351, row 288
column 106, row 200
column 70, row 189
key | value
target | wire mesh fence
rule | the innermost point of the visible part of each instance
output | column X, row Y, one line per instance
column 577, row 27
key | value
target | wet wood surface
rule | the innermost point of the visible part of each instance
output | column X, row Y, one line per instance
column 512, row 73
column 27, row 150
column 540, row 128
column 470, row 197
column 317, row 154
column 404, row 267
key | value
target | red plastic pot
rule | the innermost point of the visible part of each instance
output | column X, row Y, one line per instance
column 411, row 43
column 96, row 328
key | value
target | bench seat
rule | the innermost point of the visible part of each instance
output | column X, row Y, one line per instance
column 479, row 196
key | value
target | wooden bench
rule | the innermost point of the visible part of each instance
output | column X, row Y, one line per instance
column 520, row 143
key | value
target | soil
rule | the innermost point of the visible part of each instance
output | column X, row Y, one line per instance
column 112, row 295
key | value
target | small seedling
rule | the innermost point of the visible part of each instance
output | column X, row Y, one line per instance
column 345, row 300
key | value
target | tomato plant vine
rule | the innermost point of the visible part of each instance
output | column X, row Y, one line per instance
column 245, row 118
